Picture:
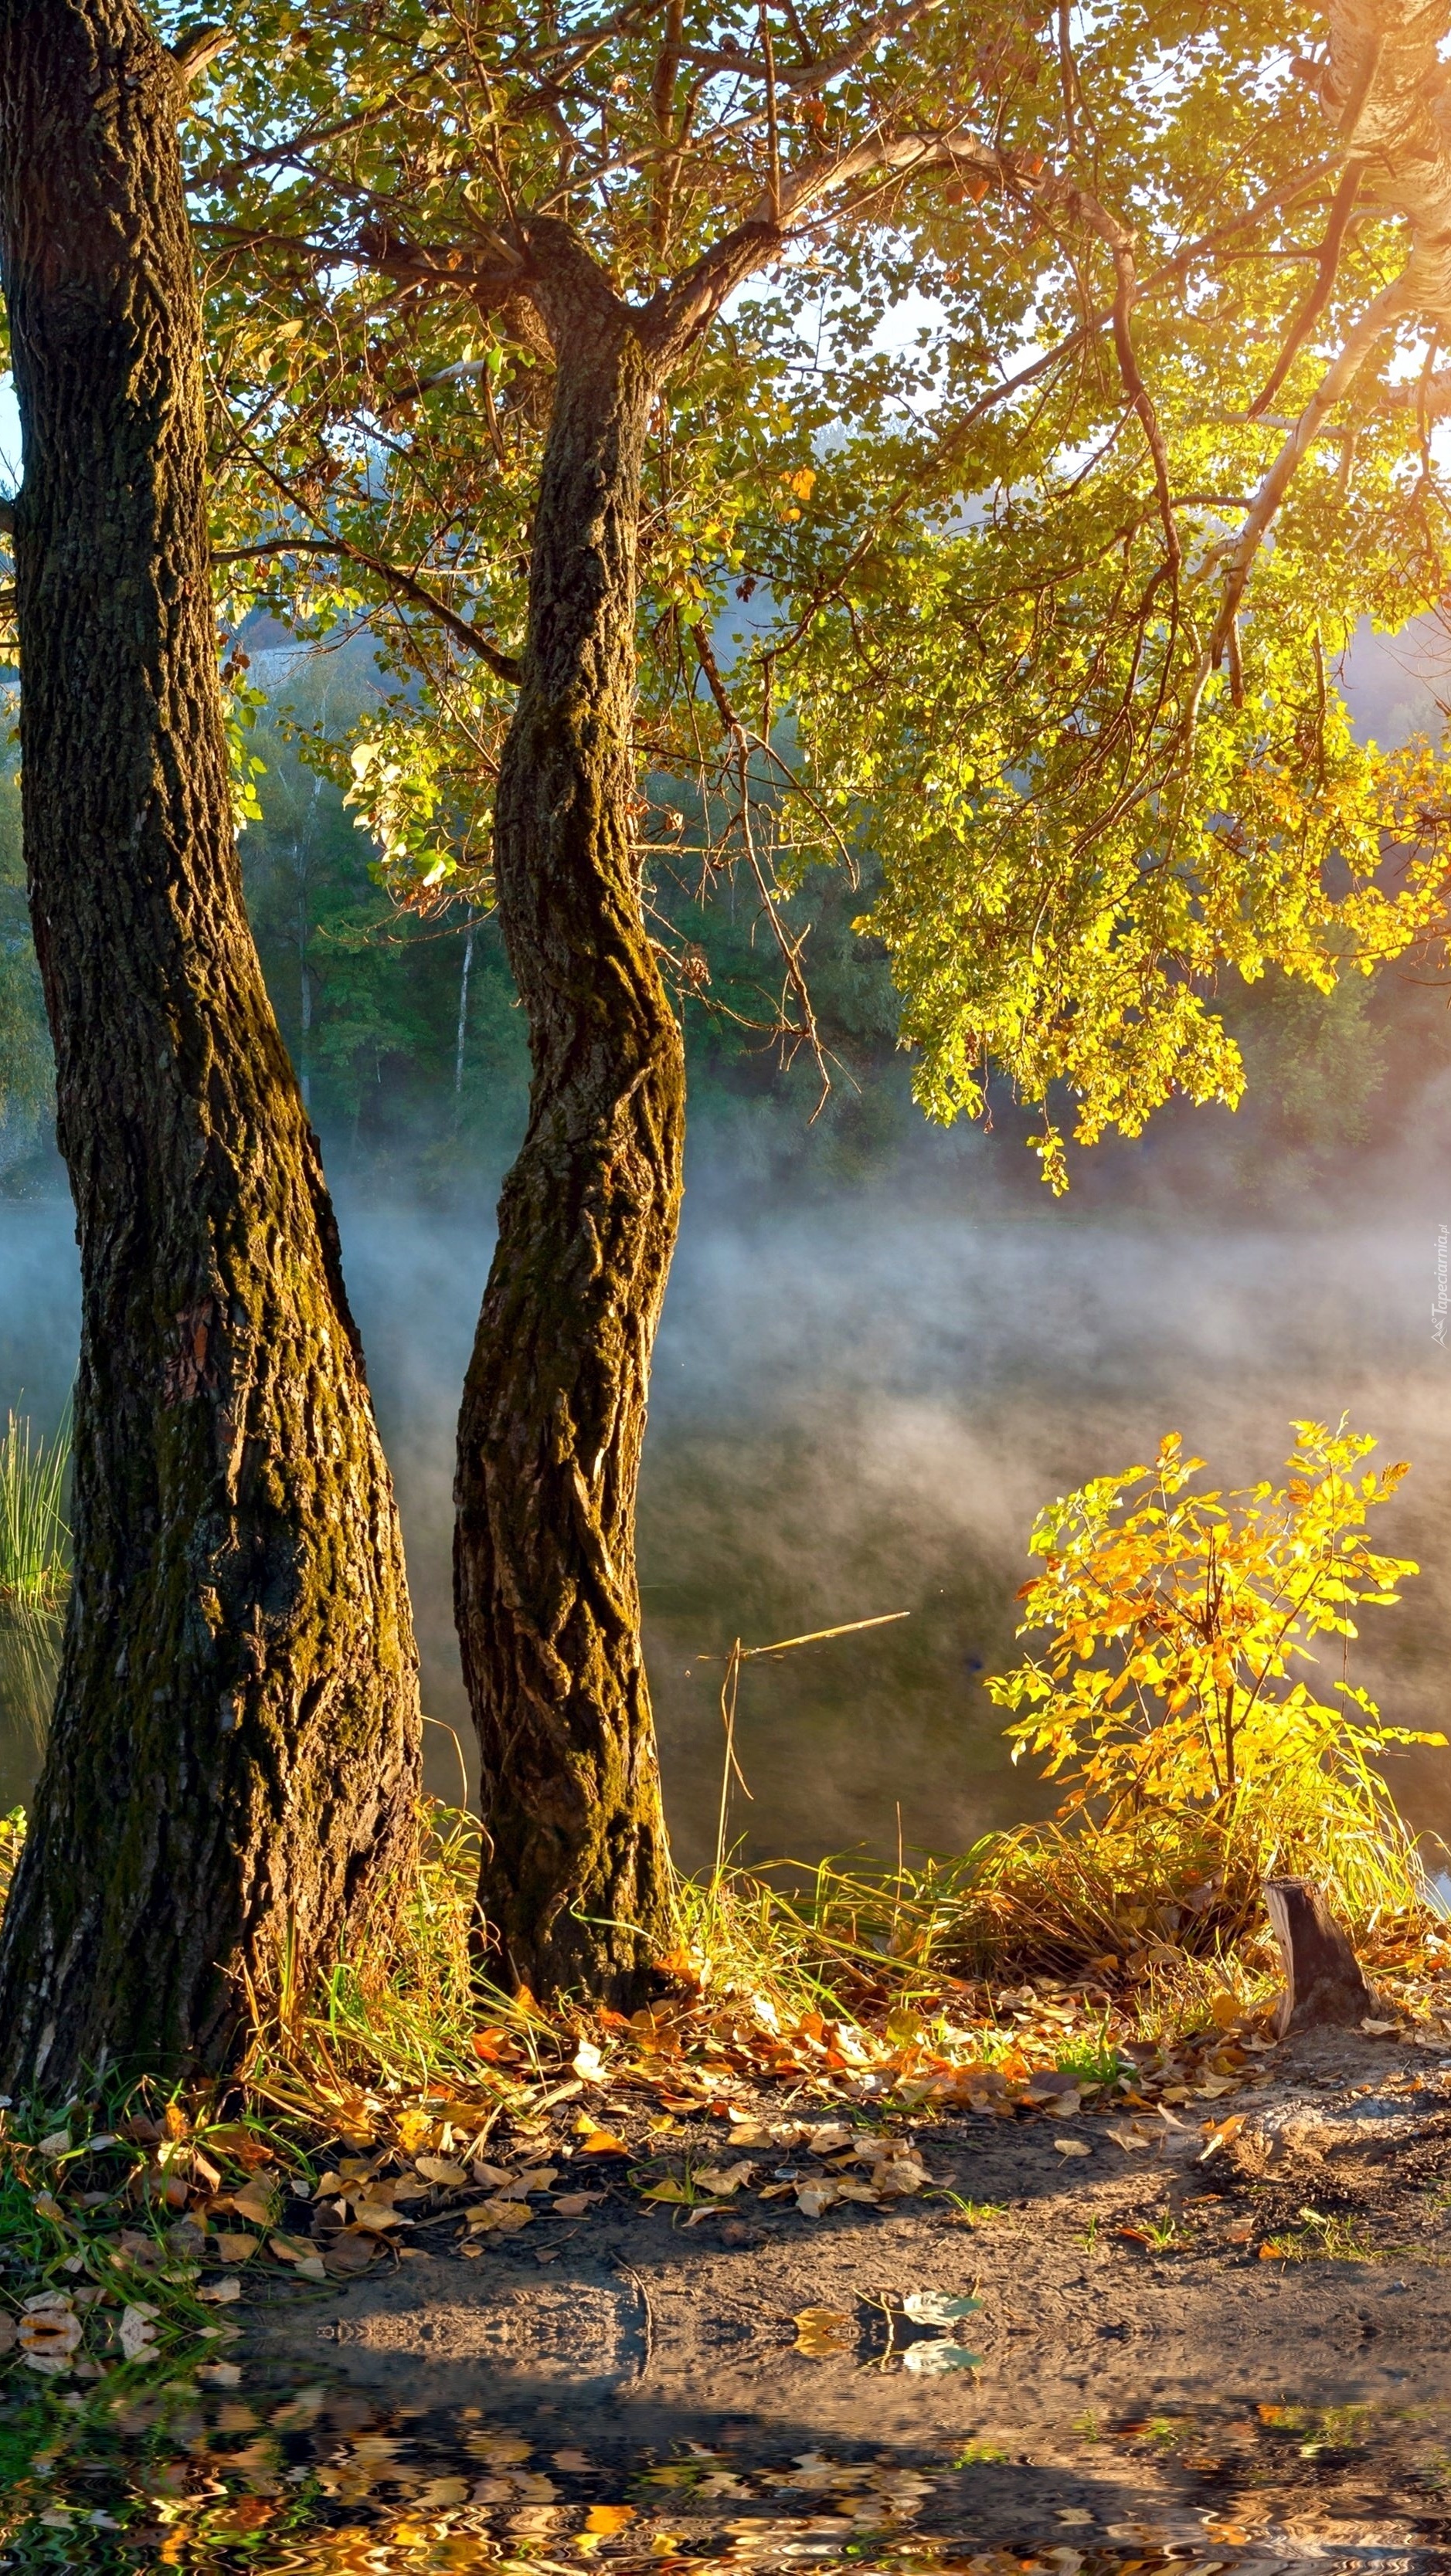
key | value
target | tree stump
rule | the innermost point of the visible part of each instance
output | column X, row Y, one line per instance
column 1325, row 1985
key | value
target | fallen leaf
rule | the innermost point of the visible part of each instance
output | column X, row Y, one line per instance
column 237, row 2249
column 347, row 2254
column 607, row 2518
column 312, row 2268
column 1380, row 2029
column 220, row 2294
column 440, row 2169
column 491, row 2045
column 289, row 2249
column 724, row 2178
column 826, row 2140
column 573, row 2204
column 1072, row 2147
column 1127, row 2137
column 220, row 2374
column 601, row 2142
column 813, row 2198
column 535, row 2178
column 938, row 2307
column 137, row 2332
column 669, row 2189
column 902, row 2175
column 57, row 2144
column 489, row 2177
column 258, row 2200
column 499, row 2217
column 45, row 2205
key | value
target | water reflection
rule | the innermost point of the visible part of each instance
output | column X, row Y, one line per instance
column 312, row 2474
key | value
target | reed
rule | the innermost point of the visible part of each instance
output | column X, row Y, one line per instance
column 34, row 1538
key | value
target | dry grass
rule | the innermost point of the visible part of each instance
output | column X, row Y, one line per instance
column 863, row 1964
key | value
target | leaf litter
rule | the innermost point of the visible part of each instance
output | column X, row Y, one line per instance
column 135, row 2228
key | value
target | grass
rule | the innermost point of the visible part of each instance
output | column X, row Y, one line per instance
column 1319, row 2239
column 34, row 1539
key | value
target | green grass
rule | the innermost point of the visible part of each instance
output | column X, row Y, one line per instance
column 1321, row 2239
column 34, row 1538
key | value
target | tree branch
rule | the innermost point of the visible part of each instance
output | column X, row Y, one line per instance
column 503, row 665
column 1319, row 295
column 1389, row 306
column 816, row 76
column 790, row 949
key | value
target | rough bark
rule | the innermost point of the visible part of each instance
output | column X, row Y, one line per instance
column 235, row 1744
column 1325, row 1986
column 575, row 1881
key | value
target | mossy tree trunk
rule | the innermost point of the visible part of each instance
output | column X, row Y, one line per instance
column 575, row 1880
column 235, row 1746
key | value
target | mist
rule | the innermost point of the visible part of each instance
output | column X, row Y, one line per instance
column 862, row 1394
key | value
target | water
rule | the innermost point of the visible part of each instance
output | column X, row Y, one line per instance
column 320, row 2477
column 858, row 1408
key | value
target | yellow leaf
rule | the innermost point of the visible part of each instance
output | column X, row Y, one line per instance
column 236, row 2248
column 499, row 2217
column 440, row 2169
column 607, row 2518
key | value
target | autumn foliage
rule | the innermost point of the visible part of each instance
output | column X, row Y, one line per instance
column 1181, row 1698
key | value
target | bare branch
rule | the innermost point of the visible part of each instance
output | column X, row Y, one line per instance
column 790, row 949
column 405, row 584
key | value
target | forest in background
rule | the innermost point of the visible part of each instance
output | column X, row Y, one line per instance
column 417, row 1072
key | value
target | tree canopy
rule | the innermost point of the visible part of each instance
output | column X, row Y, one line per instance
column 1060, row 395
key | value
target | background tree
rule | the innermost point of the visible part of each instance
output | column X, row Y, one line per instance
column 235, row 1743
column 989, row 456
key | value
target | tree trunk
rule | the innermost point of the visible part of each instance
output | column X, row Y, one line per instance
column 1325, row 1985
column 235, row 1746
column 575, row 1882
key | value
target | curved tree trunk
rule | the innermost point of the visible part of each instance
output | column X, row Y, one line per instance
column 235, row 1747
column 575, row 1882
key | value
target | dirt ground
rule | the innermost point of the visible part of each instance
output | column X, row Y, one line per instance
column 1246, row 2352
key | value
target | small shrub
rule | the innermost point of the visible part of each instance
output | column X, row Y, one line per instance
column 1200, row 1759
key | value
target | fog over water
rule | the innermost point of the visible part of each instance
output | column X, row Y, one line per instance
column 861, row 1398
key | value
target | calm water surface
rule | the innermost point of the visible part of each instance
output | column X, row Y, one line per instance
column 858, row 1408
